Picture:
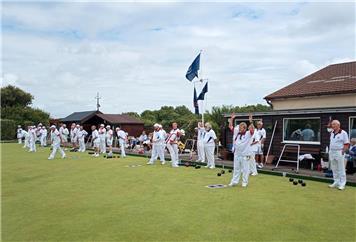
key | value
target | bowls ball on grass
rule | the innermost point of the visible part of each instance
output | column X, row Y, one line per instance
column 291, row 179
column 219, row 174
column 230, row 171
column 300, row 181
column 295, row 183
column 222, row 172
column 303, row 184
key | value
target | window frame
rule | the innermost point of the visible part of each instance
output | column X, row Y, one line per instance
column 300, row 141
column 350, row 117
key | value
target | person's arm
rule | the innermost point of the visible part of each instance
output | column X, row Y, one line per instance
column 346, row 143
column 231, row 120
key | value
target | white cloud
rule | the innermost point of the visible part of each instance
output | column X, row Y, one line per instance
column 136, row 54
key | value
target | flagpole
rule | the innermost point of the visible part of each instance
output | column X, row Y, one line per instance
column 201, row 79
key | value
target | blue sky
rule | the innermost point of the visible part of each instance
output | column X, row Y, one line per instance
column 136, row 54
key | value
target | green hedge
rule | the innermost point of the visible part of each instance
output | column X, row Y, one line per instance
column 8, row 129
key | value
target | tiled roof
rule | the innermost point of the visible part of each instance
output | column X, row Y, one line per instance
column 120, row 119
column 77, row 116
column 333, row 79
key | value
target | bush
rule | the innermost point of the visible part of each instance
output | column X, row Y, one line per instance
column 8, row 129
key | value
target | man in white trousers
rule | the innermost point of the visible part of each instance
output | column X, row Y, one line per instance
column 242, row 140
column 339, row 143
column 260, row 137
column 96, row 141
column 19, row 134
column 64, row 134
column 81, row 138
column 209, row 139
column 172, row 144
column 56, row 143
column 43, row 136
column 102, row 138
column 157, row 138
column 162, row 144
column 254, row 149
column 122, row 137
column 73, row 135
column 200, row 142
column 109, row 138
column 32, row 139
column 27, row 137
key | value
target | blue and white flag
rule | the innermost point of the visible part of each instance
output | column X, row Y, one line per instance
column 193, row 69
column 203, row 91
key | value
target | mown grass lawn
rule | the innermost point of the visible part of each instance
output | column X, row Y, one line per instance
column 84, row 198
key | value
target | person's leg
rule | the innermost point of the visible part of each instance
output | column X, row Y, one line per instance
column 245, row 171
column 210, row 152
column 122, row 145
column 341, row 171
column 171, row 152
column 206, row 155
column 175, row 155
column 252, row 165
column 63, row 155
column 333, row 166
column 237, row 170
column 161, row 154
column 54, row 151
column 153, row 154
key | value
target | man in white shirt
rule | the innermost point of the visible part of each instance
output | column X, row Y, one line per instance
column 162, row 144
column 19, row 134
column 56, row 143
column 109, row 138
column 81, row 138
column 102, row 138
column 73, row 135
column 27, row 137
column 255, row 145
column 64, row 132
column 122, row 137
column 339, row 143
column 32, row 139
column 157, row 138
column 96, row 140
column 209, row 139
column 172, row 144
column 200, row 144
column 43, row 137
column 242, row 140
column 260, row 137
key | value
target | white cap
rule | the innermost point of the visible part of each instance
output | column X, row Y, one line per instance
column 18, row 126
column 78, row 125
column 53, row 126
column 108, row 126
column 156, row 125
column 160, row 125
column 102, row 125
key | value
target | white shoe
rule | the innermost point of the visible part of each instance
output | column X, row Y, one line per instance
column 149, row 163
column 244, row 184
column 50, row 158
column 341, row 188
column 254, row 174
column 232, row 184
column 175, row 166
column 212, row 167
column 333, row 185
column 163, row 163
column 96, row 155
column 207, row 166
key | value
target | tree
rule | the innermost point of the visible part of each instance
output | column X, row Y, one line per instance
column 12, row 96
column 15, row 108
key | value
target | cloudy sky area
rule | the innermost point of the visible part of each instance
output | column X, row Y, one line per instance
column 136, row 54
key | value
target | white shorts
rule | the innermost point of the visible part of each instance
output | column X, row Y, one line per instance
column 109, row 142
column 259, row 150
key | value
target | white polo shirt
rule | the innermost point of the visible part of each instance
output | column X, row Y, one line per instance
column 55, row 137
column 95, row 136
column 338, row 140
column 209, row 138
column 242, row 142
column 121, row 134
column 260, row 134
column 173, row 136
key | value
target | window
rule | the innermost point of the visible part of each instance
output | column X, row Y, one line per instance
column 352, row 128
column 301, row 130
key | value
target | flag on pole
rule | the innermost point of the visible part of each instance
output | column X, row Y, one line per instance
column 193, row 69
column 203, row 91
column 195, row 102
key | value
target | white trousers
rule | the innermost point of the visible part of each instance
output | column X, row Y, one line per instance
column 241, row 166
column 26, row 144
column 122, row 147
column 162, row 148
column 156, row 152
column 209, row 154
column 32, row 145
column 173, row 151
column 81, row 145
column 102, row 145
column 252, row 164
column 43, row 140
column 56, row 147
column 200, row 149
column 336, row 159
column 20, row 140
